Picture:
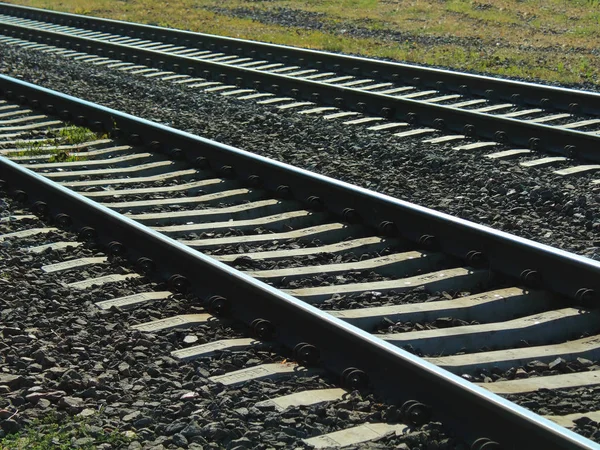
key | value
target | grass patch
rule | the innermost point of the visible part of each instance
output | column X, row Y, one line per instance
column 52, row 433
column 549, row 40
column 72, row 135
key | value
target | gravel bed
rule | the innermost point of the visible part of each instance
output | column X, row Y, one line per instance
column 357, row 276
column 417, row 295
column 587, row 428
column 241, row 232
column 532, row 203
column 331, row 280
column 291, row 244
column 318, row 259
column 86, row 250
column 162, row 208
column 162, row 183
column 98, row 177
column 565, row 401
column 68, row 169
column 535, row 369
column 96, row 271
column 389, row 326
column 40, row 239
column 175, row 194
column 12, row 225
column 559, row 402
column 64, row 358
column 120, row 176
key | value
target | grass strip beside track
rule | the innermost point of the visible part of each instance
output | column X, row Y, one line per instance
column 548, row 40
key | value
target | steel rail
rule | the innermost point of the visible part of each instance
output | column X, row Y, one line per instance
column 480, row 85
column 555, row 270
column 393, row 373
column 566, row 142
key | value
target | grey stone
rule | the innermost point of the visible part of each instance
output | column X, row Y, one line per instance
column 175, row 427
column 52, row 396
column 73, row 404
column 179, row 440
column 84, row 441
column 142, row 422
column 12, row 381
column 10, row 426
column 521, row 373
column 124, row 368
column 193, row 429
column 131, row 416
column 538, row 365
column 43, row 403
column 54, row 372
column 190, row 339
column 71, row 374
column 583, row 421
column 242, row 442
column 11, row 331
column 584, row 362
column 558, row 363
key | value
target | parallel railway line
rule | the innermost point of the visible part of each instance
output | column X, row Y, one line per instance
column 409, row 101
column 321, row 242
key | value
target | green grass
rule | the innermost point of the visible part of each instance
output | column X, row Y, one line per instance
column 550, row 40
column 72, row 135
column 52, row 433
column 491, row 14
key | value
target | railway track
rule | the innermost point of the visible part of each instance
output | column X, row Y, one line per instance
column 540, row 125
column 92, row 280
column 351, row 268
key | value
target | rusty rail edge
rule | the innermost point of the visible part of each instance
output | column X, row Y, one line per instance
column 393, row 373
